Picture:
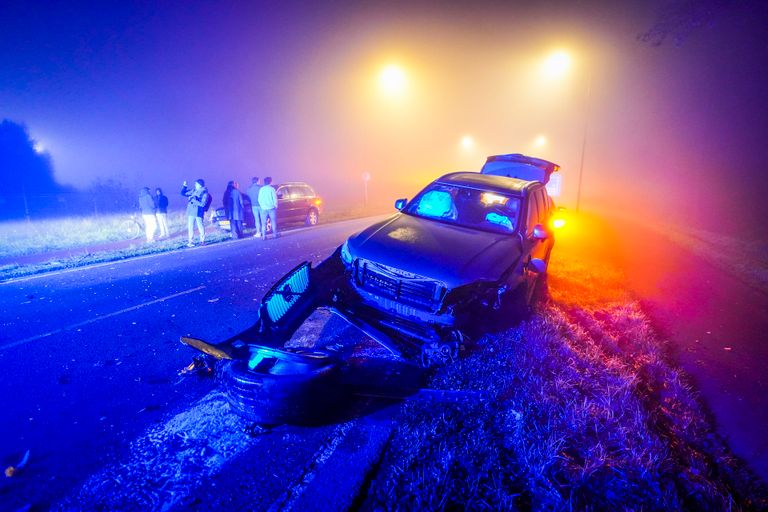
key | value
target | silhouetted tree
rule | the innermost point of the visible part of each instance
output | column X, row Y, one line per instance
column 25, row 172
column 109, row 195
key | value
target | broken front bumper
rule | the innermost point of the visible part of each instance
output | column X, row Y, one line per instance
column 305, row 289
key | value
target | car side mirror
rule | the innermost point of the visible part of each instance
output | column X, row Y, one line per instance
column 539, row 233
column 400, row 203
column 280, row 195
column 537, row 265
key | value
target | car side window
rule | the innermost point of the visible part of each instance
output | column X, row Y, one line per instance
column 282, row 192
column 541, row 202
column 307, row 192
column 533, row 214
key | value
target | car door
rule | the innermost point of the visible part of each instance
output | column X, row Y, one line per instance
column 535, row 211
column 287, row 208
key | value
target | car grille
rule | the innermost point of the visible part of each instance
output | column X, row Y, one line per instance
column 403, row 287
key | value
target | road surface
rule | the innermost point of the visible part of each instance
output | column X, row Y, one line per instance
column 89, row 362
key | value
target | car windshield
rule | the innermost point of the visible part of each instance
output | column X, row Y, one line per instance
column 468, row 207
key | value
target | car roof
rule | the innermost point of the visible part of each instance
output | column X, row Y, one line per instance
column 488, row 182
column 295, row 183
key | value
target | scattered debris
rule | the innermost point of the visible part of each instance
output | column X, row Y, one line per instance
column 216, row 299
column 199, row 366
column 257, row 429
column 14, row 470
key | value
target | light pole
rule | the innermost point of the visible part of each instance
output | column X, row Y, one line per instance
column 366, row 179
column 584, row 138
column 555, row 67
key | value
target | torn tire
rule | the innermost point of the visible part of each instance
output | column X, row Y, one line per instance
column 284, row 387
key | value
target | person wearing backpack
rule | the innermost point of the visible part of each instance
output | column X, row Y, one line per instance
column 198, row 202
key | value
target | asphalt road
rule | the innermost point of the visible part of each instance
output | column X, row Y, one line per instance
column 88, row 365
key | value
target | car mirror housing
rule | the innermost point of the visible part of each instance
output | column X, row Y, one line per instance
column 539, row 232
column 400, row 203
column 537, row 265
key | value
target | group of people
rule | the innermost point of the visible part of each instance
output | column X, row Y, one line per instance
column 154, row 211
column 263, row 199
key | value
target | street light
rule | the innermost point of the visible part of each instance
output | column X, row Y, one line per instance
column 555, row 67
column 392, row 80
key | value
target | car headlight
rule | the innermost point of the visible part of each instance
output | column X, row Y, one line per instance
column 346, row 256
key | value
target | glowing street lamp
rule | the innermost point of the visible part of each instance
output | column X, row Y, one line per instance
column 393, row 80
column 556, row 65
column 540, row 141
column 467, row 142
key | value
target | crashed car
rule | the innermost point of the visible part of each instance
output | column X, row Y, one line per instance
column 464, row 253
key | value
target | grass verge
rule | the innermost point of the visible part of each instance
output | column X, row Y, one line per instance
column 583, row 412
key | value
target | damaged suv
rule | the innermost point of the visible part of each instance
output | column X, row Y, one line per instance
column 466, row 251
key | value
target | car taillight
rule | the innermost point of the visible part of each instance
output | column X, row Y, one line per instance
column 318, row 201
column 558, row 223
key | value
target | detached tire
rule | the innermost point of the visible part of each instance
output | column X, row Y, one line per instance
column 289, row 388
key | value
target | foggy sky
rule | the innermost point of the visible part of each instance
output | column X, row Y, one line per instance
column 153, row 95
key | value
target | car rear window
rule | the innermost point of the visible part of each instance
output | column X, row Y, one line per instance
column 467, row 207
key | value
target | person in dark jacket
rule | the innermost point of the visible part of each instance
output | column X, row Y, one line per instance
column 197, row 201
column 147, row 206
column 161, row 203
column 234, row 209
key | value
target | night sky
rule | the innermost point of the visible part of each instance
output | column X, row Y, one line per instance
column 156, row 94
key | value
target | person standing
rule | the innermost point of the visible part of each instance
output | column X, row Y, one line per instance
column 253, row 195
column 161, row 203
column 268, row 205
column 197, row 201
column 147, row 206
column 235, row 210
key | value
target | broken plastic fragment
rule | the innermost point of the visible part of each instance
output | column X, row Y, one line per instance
column 13, row 470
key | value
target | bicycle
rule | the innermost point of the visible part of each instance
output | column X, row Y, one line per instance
column 132, row 227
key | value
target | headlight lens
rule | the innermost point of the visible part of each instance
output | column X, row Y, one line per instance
column 346, row 256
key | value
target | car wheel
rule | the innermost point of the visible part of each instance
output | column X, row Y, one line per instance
column 517, row 306
column 284, row 387
column 313, row 217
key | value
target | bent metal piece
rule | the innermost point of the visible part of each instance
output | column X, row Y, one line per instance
column 295, row 297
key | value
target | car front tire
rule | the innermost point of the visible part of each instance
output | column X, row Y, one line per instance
column 313, row 217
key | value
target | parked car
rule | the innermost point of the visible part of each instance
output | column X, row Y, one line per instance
column 297, row 203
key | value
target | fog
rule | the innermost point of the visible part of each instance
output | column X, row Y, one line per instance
column 154, row 97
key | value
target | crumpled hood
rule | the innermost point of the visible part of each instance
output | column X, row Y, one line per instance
column 451, row 254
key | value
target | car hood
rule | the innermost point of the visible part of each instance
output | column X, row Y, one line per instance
column 452, row 254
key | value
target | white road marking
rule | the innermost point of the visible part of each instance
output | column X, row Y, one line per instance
column 98, row 318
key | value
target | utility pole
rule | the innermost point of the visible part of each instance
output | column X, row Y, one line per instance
column 584, row 139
